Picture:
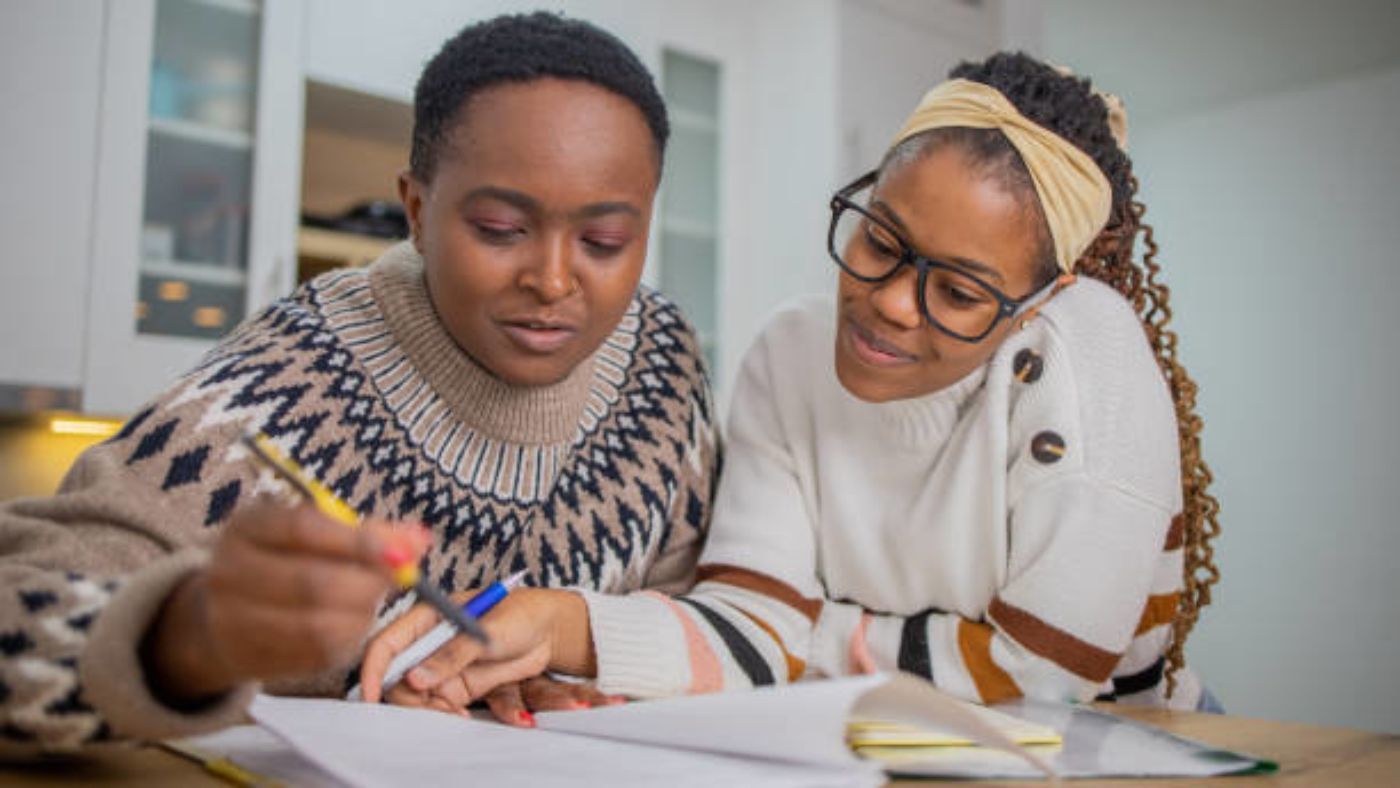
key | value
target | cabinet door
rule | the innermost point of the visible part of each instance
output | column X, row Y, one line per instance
column 196, row 186
column 50, row 76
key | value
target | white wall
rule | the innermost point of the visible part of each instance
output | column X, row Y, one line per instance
column 889, row 60
column 1278, row 221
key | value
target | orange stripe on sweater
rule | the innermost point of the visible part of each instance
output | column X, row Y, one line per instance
column 975, row 645
column 1079, row 657
column 757, row 582
column 706, row 675
column 795, row 666
column 1176, row 534
column 1160, row 609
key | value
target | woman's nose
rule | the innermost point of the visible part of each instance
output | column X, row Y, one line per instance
column 897, row 300
column 551, row 276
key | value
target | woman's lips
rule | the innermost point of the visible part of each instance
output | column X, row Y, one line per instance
column 538, row 337
column 868, row 347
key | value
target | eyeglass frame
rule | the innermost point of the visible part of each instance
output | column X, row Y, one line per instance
column 1007, row 307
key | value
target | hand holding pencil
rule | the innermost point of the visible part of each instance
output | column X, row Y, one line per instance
column 405, row 567
column 287, row 592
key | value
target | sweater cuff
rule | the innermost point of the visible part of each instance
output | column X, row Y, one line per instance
column 639, row 643
column 113, row 678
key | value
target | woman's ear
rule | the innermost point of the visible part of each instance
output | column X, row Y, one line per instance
column 411, row 195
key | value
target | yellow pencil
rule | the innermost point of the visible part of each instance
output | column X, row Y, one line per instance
column 330, row 504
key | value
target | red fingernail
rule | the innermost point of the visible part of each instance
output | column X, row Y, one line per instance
column 582, row 704
column 526, row 718
column 396, row 555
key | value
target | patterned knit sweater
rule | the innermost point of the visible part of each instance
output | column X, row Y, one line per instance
column 1012, row 534
column 601, row 481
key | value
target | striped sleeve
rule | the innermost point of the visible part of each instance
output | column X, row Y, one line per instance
column 736, row 629
column 1087, row 609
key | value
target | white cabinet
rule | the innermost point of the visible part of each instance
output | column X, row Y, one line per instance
column 195, row 214
column 152, row 153
column 50, row 77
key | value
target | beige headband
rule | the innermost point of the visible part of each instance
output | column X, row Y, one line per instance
column 1074, row 194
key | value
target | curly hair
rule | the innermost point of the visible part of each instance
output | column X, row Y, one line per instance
column 1068, row 106
column 521, row 48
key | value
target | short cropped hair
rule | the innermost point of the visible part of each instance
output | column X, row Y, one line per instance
column 521, row 48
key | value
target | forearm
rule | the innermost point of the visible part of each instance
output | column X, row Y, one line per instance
column 719, row 636
column 75, row 677
column 977, row 660
column 572, row 651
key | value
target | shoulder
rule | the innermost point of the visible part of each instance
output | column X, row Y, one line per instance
column 295, row 324
column 658, row 335
column 796, row 340
column 652, row 370
column 786, row 376
column 1083, row 375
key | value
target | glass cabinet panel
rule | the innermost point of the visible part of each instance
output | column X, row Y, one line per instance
column 690, row 194
column 199, row 161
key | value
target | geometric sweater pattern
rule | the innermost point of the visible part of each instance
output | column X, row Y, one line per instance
column 603, row 481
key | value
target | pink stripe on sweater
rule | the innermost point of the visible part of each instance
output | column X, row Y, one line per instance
column 859, row 651
column 705, row 672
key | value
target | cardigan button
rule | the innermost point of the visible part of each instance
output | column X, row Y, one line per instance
column 1028, row 365
column 1048, row 447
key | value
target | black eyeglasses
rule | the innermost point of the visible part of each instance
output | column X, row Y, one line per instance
column 952, row 299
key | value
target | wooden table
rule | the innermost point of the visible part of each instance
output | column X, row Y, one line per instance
column 1306, row 754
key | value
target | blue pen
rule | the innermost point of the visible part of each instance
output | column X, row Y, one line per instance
column 424, row 647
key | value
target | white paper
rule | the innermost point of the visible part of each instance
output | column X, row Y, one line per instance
column 377, row 745
column 801, row 723
column 778, row 736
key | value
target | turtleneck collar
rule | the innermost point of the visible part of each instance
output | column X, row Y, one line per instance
column 930, row 419
column 530, row 415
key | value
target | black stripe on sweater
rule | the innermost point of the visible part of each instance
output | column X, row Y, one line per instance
column 913, row 646
column 1142, row 680
column 760, row 675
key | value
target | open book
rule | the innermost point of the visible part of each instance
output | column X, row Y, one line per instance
column 797, row 734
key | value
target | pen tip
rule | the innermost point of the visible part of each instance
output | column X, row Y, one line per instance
column 514, row 580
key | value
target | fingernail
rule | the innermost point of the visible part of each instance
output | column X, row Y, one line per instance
column 421, row 677
column 616, row 700
column 582, row 704
column 396, row 555
column 526, row 718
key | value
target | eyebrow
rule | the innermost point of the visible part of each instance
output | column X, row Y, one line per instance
column 888, row 213
column 527, row 203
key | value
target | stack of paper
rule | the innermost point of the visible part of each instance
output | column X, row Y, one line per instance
column 895, row 744
column 778, row 736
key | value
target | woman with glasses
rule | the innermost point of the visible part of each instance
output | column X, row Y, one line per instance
column 999, row 489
